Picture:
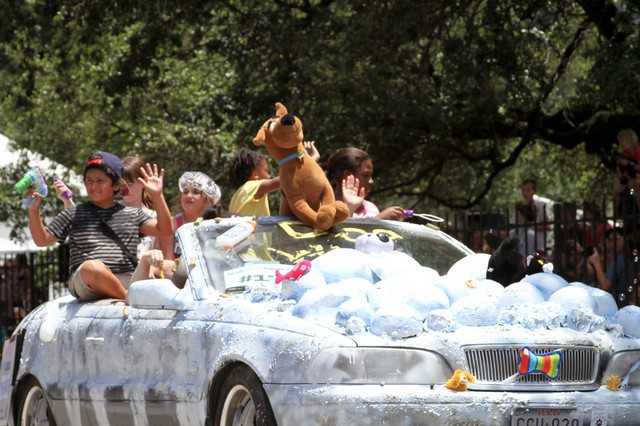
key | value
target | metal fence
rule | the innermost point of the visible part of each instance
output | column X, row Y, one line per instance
column 27, row 280
column 567, row 238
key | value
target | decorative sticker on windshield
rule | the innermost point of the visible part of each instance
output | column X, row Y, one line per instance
column 314, row 250
column 288, row 227
column 235, row 280
column 351, row 234
column 320, row 242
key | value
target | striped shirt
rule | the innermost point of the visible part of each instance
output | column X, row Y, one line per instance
column 89, row 239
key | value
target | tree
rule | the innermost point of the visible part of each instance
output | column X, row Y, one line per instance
column 445, row 96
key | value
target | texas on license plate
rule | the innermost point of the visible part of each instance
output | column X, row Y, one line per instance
column 546, row 417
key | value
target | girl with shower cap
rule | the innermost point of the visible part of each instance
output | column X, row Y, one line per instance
column 201, row 183
column 198, row 194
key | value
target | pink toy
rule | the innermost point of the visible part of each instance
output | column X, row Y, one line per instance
column 299, row 270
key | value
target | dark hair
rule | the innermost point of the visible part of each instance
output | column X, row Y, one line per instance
column 594, row 208
column 132, row 165
column 20, row 260
column 566, row 210
column 242, row 165
column 530, row 181
column 616, row 229
column 347, row 159
column 215, row 211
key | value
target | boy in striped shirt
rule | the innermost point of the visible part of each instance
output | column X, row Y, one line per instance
column 103, row 234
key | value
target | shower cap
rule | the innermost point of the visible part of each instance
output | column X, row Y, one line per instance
column 204, row 183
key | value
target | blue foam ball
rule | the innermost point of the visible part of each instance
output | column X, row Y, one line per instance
column 547, row 283
column 343, row 263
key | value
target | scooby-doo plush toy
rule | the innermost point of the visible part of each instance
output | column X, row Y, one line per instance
column 307, row 193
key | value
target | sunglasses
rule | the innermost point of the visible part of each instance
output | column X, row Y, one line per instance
column 124, row 190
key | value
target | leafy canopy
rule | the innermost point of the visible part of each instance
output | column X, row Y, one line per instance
column 456, row 101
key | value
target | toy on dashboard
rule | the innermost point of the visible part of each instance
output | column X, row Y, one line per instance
column 299, row 270
column 506, row 265
column 371, row 243
column 234, row 235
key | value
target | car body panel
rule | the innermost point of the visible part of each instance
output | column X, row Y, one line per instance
column 426, row 405
column 156, row 360
column 99, row 348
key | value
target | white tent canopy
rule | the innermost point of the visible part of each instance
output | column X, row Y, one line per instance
column 50, row 169
column 8, row 245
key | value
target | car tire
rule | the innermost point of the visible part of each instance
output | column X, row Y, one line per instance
column 33, row 407
column 243, row 401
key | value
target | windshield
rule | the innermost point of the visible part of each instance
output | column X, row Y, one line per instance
column 277, row 242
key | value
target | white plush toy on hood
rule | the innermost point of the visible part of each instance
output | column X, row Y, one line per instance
column 374, row 243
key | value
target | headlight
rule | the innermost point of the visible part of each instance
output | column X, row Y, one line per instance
column 378, row 365
column 620, row 365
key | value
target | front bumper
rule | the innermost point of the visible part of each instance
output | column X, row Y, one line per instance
column 426, row 405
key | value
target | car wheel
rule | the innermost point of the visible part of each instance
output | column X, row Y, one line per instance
column 33, row 408
column 243, row 401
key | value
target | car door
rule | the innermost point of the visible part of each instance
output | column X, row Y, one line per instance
column 59, row 359
column 133, row 361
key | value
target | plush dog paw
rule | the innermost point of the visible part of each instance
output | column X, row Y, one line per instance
column 324, row 219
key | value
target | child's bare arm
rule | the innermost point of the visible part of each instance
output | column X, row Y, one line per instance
column 40, row 234
column 151, row 260
column 391, row 213
column 267, row 186
column 152, row 181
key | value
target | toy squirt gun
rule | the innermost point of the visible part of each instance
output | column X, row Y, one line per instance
column 34, row 180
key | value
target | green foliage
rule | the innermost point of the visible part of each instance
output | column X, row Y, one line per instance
column 455, row 101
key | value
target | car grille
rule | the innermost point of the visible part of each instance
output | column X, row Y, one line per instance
column 495, row 367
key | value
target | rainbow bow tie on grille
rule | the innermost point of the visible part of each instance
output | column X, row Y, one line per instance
column 547, row 364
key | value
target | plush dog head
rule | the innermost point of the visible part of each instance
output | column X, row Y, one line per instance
column 280, row 134
column 306, row 191
column 507, row 265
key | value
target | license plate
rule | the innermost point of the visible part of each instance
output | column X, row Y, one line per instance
column 546, row 417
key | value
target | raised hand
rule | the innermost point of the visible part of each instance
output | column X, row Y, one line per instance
column 61, row 190
column 151, row 179
column 310, row 146
column 352, row 193
column 36, row 197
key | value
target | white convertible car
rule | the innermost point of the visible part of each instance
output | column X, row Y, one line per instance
column 374, row 322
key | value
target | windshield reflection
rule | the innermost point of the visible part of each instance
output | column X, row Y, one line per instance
column 277, row 241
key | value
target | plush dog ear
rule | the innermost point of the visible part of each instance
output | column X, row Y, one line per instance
column 280, row 110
